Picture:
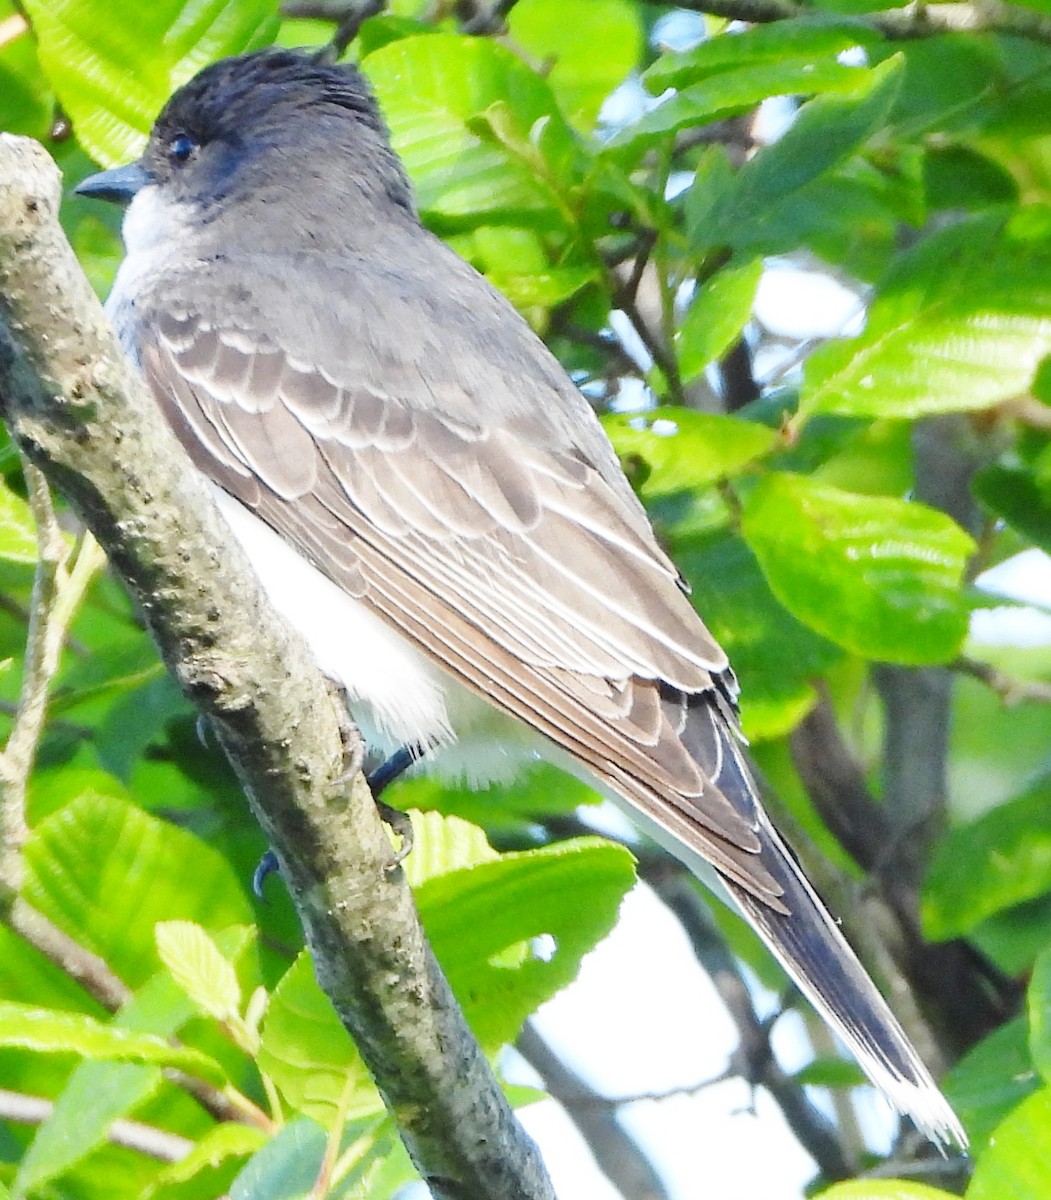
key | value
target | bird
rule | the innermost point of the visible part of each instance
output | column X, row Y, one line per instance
column 433, row 504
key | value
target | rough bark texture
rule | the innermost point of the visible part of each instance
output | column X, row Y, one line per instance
column 77, row 411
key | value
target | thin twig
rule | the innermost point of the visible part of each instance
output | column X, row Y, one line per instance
column 1009, row 688
column 93, row 973
column 130, row 1135
column 58, row 589
column 913, row 22
column 12, row 27
column 99, row 980
column 643, row 250
column 756, row 1061
column 616, row 1152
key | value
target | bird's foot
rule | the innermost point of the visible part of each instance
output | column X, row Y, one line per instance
column 378, row 780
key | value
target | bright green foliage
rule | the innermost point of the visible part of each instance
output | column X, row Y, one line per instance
column 114, row 64
column 879, row 576
column 95, row 849
column 832, row 524
column 950, row 328
column 884, row 1189
column 51, row 1032
column 1040, row 1016
column 1016, row 1163
column 717, row 317
column 738, row 606
column 580, row 77
column 468, row 129
column 482, row 913
column 682, row 450
column 17, row 535
column 1000, row 860
column 991, row 1081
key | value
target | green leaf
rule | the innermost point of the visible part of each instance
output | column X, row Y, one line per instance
column 539, row 792
column 286, row 1168
column 580, row 77
column 990, row 1081
column 775, row 657
column 50, row 1031
column 136, row 720
column 519, row 263
column 541, row 289
column 477, row 919
column 1017, row 1163
column 17, row 530
column 714, row 184
column 958, row 177
column 114, row 63
column 26, row 101
column 884, row 1189
column 716, row 317
column 683, row 449
column 1039, row 1004
column 229, row 1140
column 106, row 873
column 827, row 131
column 811, row 39
column 97, row 1093
column 196, row 965
column 875, row 459
column 847, row 216
column 950, row 328
column 951, row 85
column 476, row 129
column 309, row 1055
column 1014, row 494
column 1014, row 938
column 442, row 844
column 727, row 93
column 483, row 921
column 830, row 1072
column 1000, row 860
column 879, row 576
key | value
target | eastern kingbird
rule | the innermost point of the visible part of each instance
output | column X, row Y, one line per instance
column 428, row 498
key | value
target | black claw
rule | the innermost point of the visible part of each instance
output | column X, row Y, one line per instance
column 268, row 865
column 201, row 728
column 384, row 775
column 401, row 823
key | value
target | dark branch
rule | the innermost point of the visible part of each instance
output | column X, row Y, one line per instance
column 617, row 1154
column 900, row 24
column 757, row 1063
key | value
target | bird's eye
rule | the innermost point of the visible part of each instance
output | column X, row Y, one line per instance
column 181, row 148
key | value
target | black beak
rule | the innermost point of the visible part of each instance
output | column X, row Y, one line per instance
column 119, row 185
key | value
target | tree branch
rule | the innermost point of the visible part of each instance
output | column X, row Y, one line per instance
column 900, row 24
column 617, row 1154
column 758, row 1065
column 132, row 1135
column 57, row 593
column 1009, row 688
column 78, row 412
column 962, row 995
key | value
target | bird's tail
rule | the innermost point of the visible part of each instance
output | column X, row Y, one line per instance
column 807, row 942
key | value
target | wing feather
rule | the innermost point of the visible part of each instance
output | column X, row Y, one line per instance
column 491, row 554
